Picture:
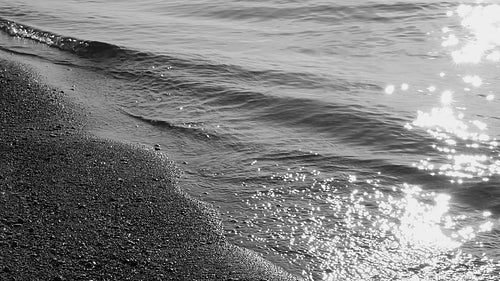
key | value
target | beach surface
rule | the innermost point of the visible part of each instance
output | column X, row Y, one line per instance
column 74, row 206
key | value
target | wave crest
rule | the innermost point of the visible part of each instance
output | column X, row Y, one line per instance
column 69, row 44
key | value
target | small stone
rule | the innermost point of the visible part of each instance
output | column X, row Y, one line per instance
column 157, row 147
column 88, row 264
column 132, row 262
column 57, row 262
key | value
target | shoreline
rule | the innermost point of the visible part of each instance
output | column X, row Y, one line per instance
column 74, row 206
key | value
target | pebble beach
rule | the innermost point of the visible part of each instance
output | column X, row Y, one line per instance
column 77, row 207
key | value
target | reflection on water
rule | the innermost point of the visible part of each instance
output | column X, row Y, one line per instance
column 481, row 24
column 470, row 152
column 360, row 229
column 474, row 80
column 364, row 227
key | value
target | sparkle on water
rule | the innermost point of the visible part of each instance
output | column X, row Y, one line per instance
column 360, row 229
column 389, row 89
column 357, row 227
column 470, row 151
column 483, row 26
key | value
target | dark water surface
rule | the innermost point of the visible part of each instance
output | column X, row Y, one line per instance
column 342, row 141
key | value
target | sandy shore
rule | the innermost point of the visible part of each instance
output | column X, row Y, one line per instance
column 77, row 207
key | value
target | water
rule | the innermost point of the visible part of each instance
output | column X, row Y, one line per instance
column 342, row 141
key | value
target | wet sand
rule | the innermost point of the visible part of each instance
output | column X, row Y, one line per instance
column 77, row 207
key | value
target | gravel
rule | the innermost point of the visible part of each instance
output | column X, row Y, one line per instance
column 77, row 207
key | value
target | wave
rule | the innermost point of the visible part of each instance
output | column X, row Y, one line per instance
column 135, row 66
column 480, row 195
column 189, row 129
column 239, row 89
column 344, row 164
column 307, row 11
column 355, row 124
column 76, row 46
column 375, row 128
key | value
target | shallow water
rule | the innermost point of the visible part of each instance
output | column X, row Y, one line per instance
column 342, row 141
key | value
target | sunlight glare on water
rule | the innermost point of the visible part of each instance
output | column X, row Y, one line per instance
column 354, row 228
column 357, row 227
column 482, row 24
column 470, row 152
